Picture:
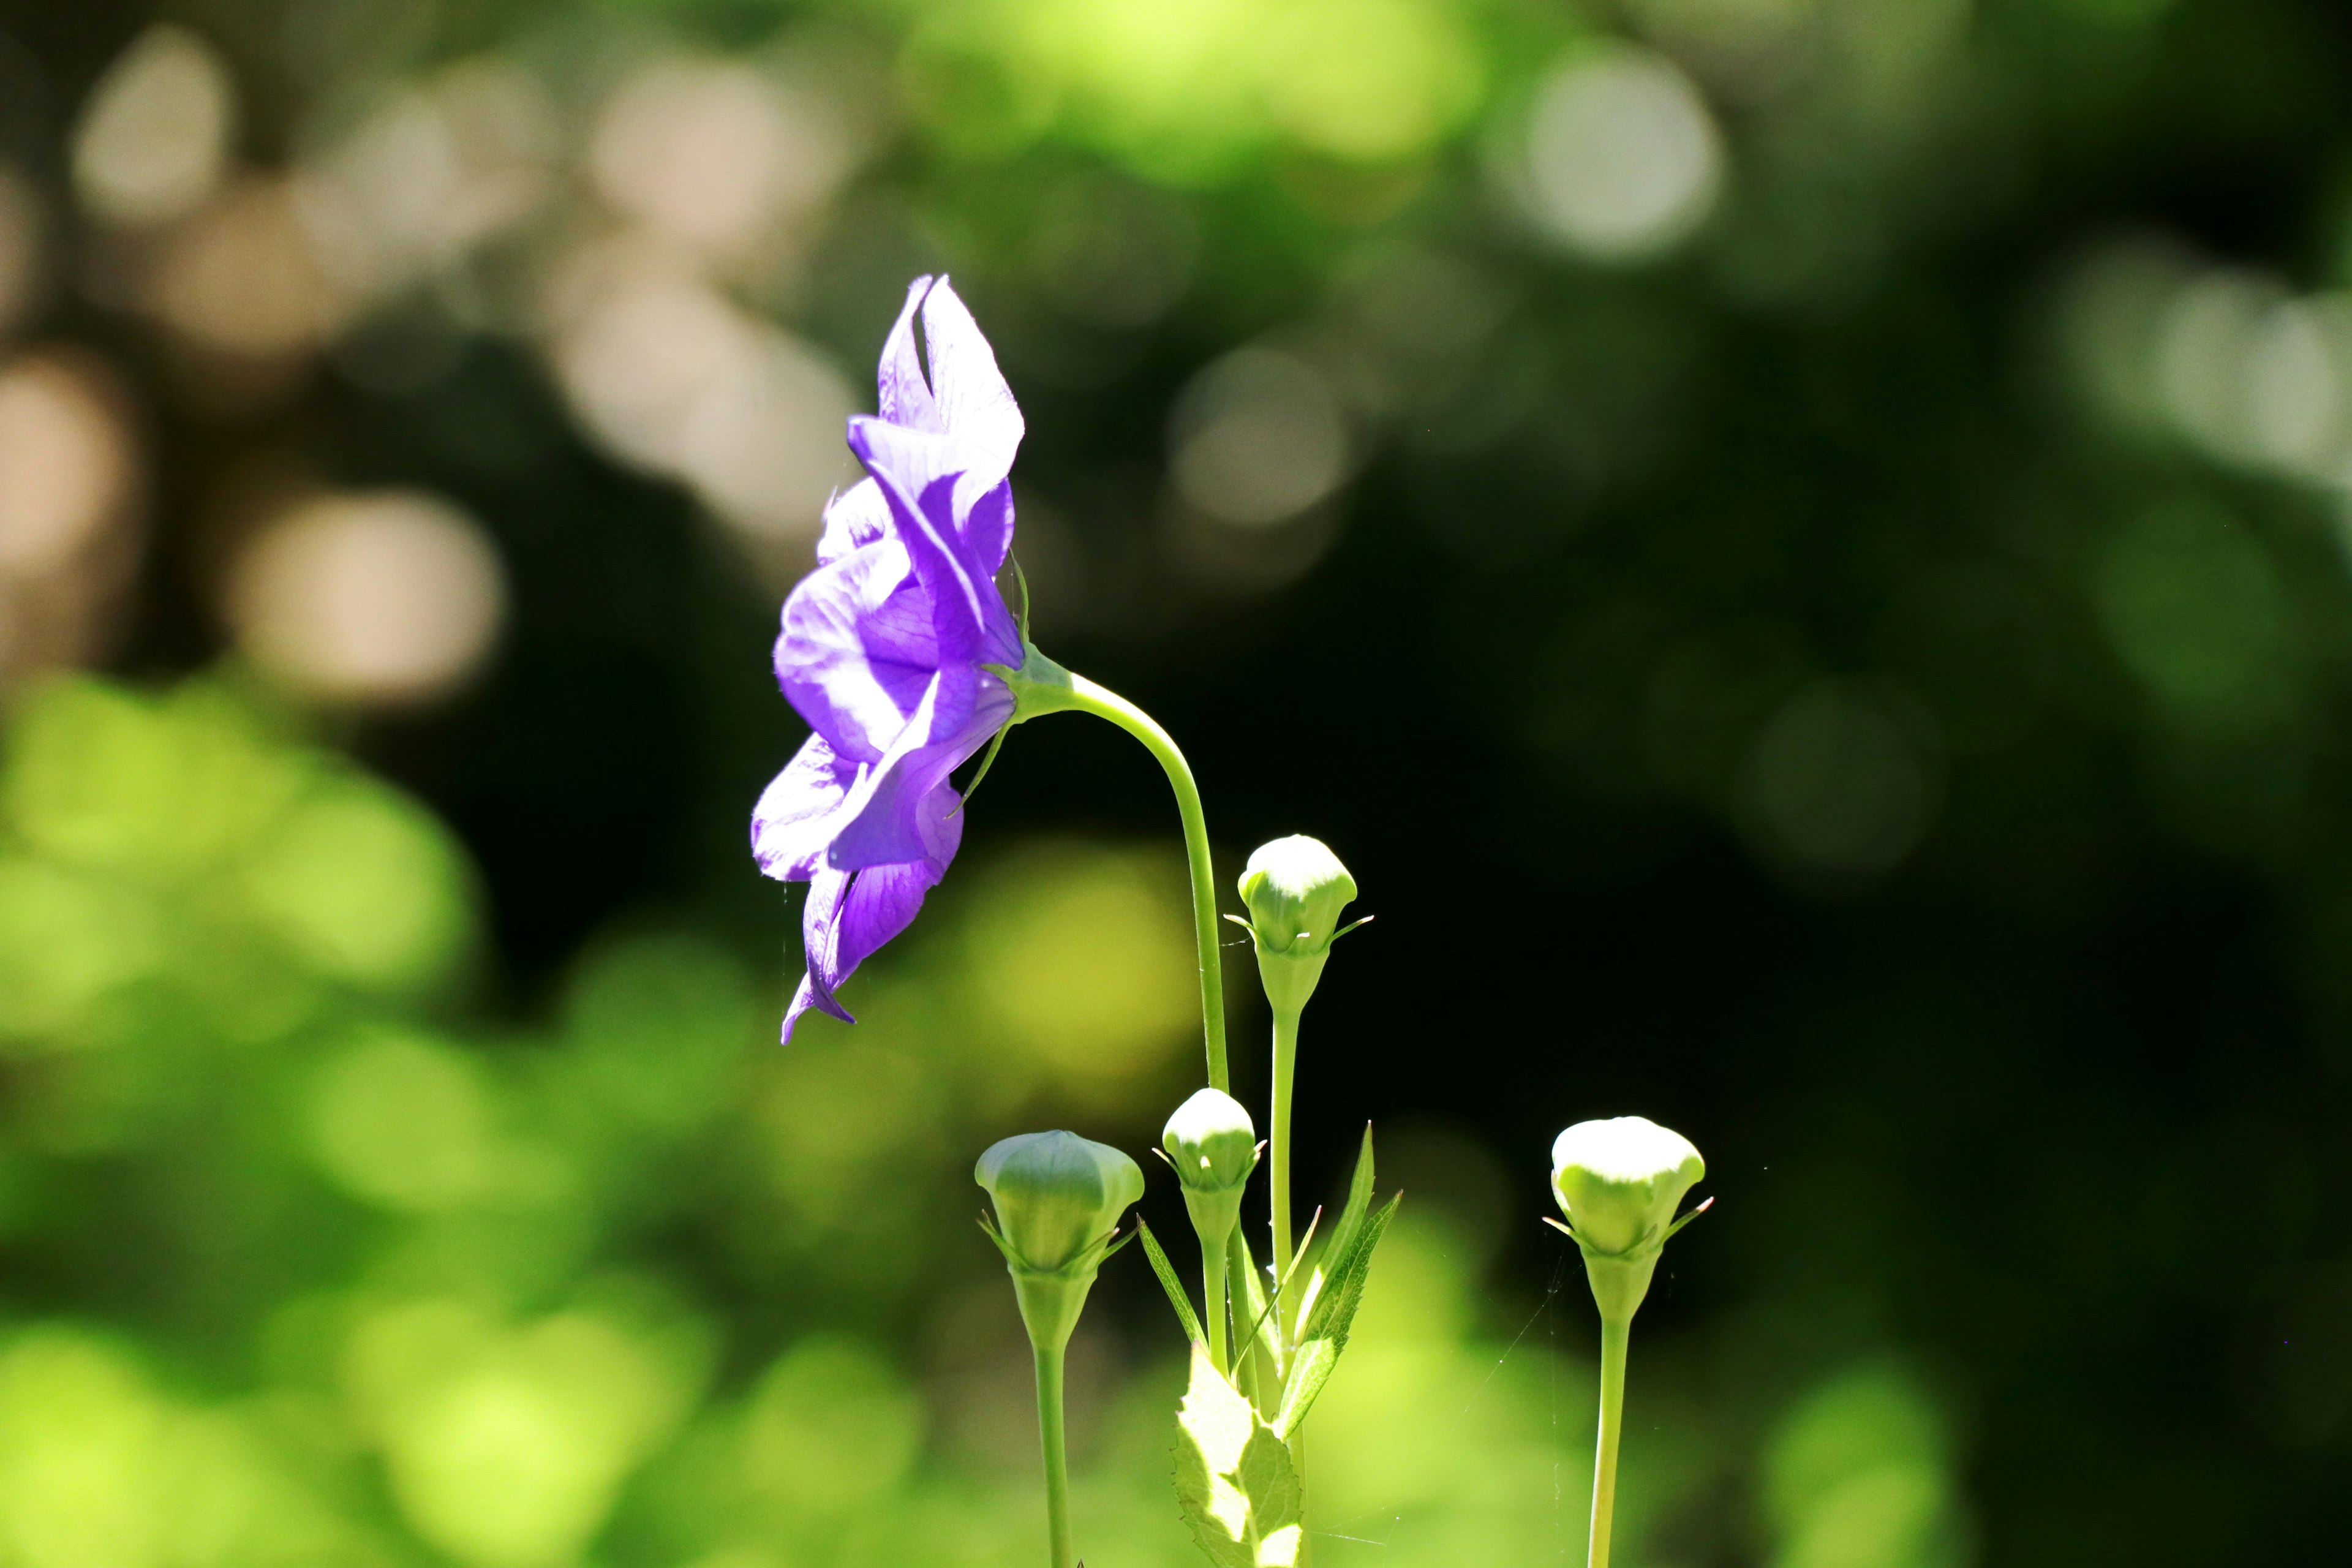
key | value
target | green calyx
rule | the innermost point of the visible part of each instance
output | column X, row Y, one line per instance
column 1295, row 891
column 1211, row 1144
column 1618, row 1181
column 1039, row 686
column 1058, row 1198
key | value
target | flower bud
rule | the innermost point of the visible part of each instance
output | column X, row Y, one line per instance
column 1618, row 1181
column 1211, row 1141
column 1212, row 1144
column 1294, row 888
column 1058, row 1195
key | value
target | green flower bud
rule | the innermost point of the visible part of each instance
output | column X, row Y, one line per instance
column 1618, row 1181
column 1212, row 1144
column 1294, row 888
column 1058, row 1197
column 1211, row 1141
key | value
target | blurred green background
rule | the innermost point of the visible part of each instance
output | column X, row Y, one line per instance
column 1797, row 548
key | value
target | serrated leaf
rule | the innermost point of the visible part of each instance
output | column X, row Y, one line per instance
column 1352, row 1221
column 1173, row 1286
column 1235, row 1480
column 1324, row 1333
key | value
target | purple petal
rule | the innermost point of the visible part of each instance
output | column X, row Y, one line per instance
column 850, row 915
column 988, row 529
column 976, row 405
column 917, row 474
column 790, row 827
column 853, row 520
column 883, row 821
column 804, row 998
column 858, row 649
column 820, row 922
column 905, row 396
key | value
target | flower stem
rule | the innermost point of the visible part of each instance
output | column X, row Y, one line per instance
column 1614, row 1333
column 1286, row 1064
column 1212, row 1288
column 1087, row 696
column 1057, row 1465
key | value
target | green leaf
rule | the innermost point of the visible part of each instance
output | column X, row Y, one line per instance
column 1352, row 1220
column 1324, row 1333
column 1249, row 1295
column 1173, row 1286
column 1235, row 1481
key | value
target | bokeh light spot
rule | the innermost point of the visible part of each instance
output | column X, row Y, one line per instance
column 151, row 788
column 373, row 598
column 1856, row 1476
column 404, row 1121
column 830, row 1428
column 442, row 167
column 1370, row 80
column 1622, row 157
column 66, row 465
column 65, row 942
column 365, row 885
column 1257, row 437
column 661, row 1025
column 678, row 380
column 242, row 277
column 2193, row 606
column 155, row 135
column 506, row 1445
column 712, row 152
column 1841, row 781
column 1085, row 957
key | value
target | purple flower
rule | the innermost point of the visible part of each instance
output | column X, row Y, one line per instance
column 885, row 646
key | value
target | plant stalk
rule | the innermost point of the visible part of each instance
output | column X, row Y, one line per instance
column 1057, row 1464
column 1087, row 696
column 1286, row 1070
column 1213, row 1289
column 1614, row 1333
column 1285, row 1066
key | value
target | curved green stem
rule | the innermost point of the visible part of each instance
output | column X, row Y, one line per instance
column 1057, row 1464
column 1285, row 1066
column 1042, row 686
column 1614, row 1333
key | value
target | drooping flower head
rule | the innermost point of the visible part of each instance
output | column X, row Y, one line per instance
column 885, row 648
